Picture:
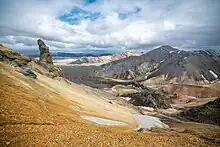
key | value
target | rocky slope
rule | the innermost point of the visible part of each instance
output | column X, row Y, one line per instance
column 207, row 113
column 28, row 66
column 166, row 65
column 105, row 59
column 150, row 98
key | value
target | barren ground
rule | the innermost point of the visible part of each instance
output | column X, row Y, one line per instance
column 46, row 112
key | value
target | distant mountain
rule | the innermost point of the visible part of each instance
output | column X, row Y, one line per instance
column 36, row 53
column 66, row 54
column 209, row 52
column 166, row 65
column 105, row 58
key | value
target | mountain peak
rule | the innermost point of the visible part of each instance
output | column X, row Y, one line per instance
column 166, row 46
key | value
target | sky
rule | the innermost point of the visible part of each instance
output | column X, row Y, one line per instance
column 110, row 25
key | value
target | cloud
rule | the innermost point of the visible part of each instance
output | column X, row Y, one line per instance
column 110, row 25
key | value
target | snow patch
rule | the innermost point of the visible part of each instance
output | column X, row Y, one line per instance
column 171, row 52
column 168, row 111
column 162, row 61
column 213, row 74
column 126, row 98
column 102, row 121
column 204, row 78
column 146, row 108
column 178, row 52
column 185, row 57
column 148, row 122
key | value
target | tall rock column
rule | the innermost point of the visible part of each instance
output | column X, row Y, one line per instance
column 47, row 62
column 45, row 56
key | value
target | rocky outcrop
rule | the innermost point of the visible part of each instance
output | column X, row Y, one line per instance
column 28, row 67
column 166, row 65
column 150, row 98
column 207, row 113
column 16, row 60
column 46, row 61
column 45, row 56
column 105, row 59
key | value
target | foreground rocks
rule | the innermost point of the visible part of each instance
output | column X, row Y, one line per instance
column 18, row 61
column 27, row 66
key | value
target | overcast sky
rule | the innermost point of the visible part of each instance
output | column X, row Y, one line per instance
column 117, row 25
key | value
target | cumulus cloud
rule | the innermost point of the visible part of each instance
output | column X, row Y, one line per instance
column 75, row 25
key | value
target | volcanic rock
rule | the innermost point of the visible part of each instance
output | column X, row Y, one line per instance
column 105, row 59
column 16, row 60
column 45, row 56
column 150, row 98
column 46, row 61
column 207, row 113
column 165, row 65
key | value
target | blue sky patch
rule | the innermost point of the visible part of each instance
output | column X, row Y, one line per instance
column 124, row 15
column 77, row 14
column 90, row 1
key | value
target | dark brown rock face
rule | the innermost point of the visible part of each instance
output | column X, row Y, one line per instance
column 208, row 113
column 45, row 56
column 47, row 62
column 150, row 98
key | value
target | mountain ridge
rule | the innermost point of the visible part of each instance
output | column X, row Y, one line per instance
column 185, row 66
column 106, row 58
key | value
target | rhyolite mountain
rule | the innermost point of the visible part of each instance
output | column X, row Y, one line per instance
column 166, row 65
column 105, row 58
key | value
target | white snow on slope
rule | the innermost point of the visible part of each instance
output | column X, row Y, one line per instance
column 143, row 121
column 146, row 108
column 162, row 61
column 126, row 98
column 214, row 74
column 204, row 78
column 102, row 121
column 148, row 122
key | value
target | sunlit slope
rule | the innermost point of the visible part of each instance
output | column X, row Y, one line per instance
column 34, row 114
